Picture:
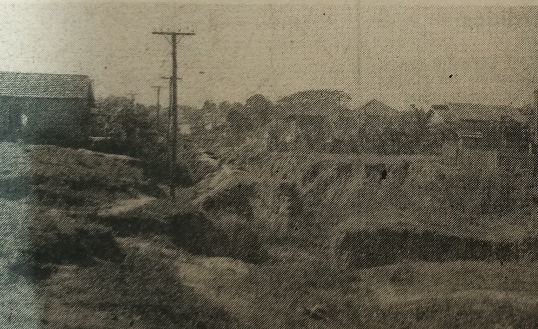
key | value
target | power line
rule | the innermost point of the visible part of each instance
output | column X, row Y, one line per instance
column 173, row 126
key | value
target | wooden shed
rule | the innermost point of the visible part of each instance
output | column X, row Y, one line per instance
column 45, row 108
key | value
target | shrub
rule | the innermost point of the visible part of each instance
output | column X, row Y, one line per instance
column 197, row 234
column 64, row 241
column 403, row 273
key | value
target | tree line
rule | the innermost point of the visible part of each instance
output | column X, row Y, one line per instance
column 317, row 120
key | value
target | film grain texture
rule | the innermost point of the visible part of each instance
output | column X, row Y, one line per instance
column 218, row 164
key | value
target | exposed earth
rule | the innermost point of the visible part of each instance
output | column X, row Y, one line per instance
column 267, row 240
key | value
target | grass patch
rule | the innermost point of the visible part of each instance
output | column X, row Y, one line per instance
column 141, row 292
column 61, row 240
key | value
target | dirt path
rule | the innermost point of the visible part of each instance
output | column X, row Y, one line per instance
column 390, row 298
column 122, row 206
column 217, row 279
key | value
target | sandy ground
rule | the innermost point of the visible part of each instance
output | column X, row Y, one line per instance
column 217, row 279
column 122, row 206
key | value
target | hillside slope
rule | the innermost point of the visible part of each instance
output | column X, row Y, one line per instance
column 61, row 269
column 288, row 193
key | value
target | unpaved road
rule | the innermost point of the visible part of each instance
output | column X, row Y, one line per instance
column 123, row 206
column 217, row 279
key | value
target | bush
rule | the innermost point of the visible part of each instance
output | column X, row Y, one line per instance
column 245, row 245
column 197, row 234
column 64, row 241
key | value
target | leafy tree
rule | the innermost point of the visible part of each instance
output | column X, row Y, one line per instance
column 209, row 107
column 222, row 111
column 260, row 109
column 131, row 130
column 224, row 107
column 238, row 122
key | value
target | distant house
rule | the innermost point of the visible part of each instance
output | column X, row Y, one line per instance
column 489, row 126
column 314, row 103
column 45, row 108
column 484, row 135
column 469, row 112
column 376, row 111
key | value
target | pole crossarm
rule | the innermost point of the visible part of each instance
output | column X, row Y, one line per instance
column 174, row 33
column 170, row 78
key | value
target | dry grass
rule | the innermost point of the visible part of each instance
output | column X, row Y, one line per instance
column 407, row 295
column 69, row 178
column 141, row 292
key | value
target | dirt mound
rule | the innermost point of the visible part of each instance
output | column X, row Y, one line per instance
column 282, row 193
column 187, row 228
column 376, row 247
column 68, row 177
column 292, row 195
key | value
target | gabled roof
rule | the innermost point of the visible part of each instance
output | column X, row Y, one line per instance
column 322, row 102
column 376, row 108
column 469, row 133
column 478, row 112
column 40, row 85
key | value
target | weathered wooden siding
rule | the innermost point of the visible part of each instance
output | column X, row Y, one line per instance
column 48, row 119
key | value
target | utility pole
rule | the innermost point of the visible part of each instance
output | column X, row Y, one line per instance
column 535, row 117
column 170, row 98
column 173, row 133
column 169, row 106
column 158, row 100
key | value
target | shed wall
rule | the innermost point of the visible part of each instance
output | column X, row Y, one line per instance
column 48, row 120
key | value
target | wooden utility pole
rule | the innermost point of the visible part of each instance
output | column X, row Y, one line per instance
column 170, row 97
column 169, row 122
column 173, row 132
column 158, row 100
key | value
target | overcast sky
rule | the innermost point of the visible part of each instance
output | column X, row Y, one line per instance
column 398, row 54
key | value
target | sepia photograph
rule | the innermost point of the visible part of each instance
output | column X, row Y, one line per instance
column 230, row 164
